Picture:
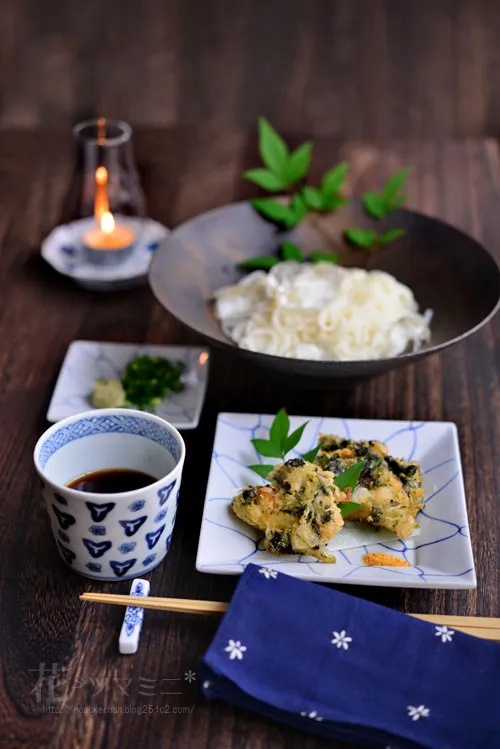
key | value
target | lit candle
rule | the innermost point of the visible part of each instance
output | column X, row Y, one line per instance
column 106, row 241
column 109, row 235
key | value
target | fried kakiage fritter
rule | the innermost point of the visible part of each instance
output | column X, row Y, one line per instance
column 298, row 511
column 390, row 490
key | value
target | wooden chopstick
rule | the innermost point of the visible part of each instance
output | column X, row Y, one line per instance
column 479, row 626
column 185, row 605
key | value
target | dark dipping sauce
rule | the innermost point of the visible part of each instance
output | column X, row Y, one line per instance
column 111, row 481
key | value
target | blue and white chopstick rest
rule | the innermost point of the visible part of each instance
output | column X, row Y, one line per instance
column 132, row 622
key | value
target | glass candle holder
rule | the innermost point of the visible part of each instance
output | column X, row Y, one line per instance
column 106, row 177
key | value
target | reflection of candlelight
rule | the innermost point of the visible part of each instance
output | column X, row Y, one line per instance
column 101, row 202
column 101, row 131
column 203, row 357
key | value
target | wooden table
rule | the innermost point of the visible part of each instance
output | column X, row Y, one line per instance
column 43, row 622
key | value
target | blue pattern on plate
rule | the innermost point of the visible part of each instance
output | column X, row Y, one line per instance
column 97, row 530
column 165, row 492
column 94, row 566
column 96, row 548
column 132, row 526
column 121, row 568
column 149, row 560
column 63, row 518
column 161, row 516
column 231, row 472
column 99, row 511
column 126, row 548
column 109, row 424
column 137, row 505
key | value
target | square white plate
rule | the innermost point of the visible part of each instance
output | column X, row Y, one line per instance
column 85, row 361
column 440, row 555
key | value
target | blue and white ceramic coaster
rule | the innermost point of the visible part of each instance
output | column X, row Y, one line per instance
column 64, row 251
column 132, row 622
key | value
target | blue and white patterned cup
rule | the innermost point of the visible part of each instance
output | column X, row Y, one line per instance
column 111, row 536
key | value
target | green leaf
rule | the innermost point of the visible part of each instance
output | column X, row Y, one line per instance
column 373, row 205
column 394, row 184
column 334, row 179
column 391, row 235
column 259, row 263
column 361, row 237
column 290, row 251
column 262, row 470
column 348, row 479
column 294, row 438
column 267, row 448
column 310, row 456
column 298, row 163
column 330, row 202
column 394, row 203
column 324, row 257
column 272, row 148
column 279, row 430
column 264, row 178
column 347, row 508
column 313, row 198
column 272, row 209
column 298, row 210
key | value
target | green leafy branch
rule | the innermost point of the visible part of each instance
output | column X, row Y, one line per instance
column 283, row 169
column 379, row 206
column 281, row 442
column 287, row 251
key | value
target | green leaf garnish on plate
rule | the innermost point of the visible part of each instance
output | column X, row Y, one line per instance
column 348, row 479
column 294, row 438
column 262, row 470
column 273, row 149
column 279, row 430
column 265, row 262
column 290, row 251
column 265, row 178
column 324, row 257
column 347, row 508
column 298, row 163
column 267, row 448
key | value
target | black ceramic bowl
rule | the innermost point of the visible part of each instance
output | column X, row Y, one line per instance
column 447, row 270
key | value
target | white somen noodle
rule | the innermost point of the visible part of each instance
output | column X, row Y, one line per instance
column 322, row 311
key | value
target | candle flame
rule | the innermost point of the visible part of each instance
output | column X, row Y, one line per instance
column 107, row 223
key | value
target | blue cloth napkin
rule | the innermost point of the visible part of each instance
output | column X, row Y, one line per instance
column 346, row 669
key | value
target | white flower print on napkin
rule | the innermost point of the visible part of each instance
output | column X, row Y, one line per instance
column 341, row 640
column 313, row 715
column 415, row 713
column 444, row 633
column 235, row 650
column 268, row 573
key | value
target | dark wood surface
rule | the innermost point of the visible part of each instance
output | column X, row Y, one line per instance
column 42, row 620
column 354, row 68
